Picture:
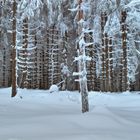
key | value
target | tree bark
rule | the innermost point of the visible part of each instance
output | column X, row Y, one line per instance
column 82, row 65
column 124, row 48
column 14, row 78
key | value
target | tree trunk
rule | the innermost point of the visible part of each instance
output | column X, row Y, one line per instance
column 82, row 65
column 103, row 72
column 106, row 64
column 14, row 78
column 25, row 44
column 84, row 96
column 124, row 47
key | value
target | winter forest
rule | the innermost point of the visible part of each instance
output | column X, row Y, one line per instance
column 67, row 42
column 52, row 50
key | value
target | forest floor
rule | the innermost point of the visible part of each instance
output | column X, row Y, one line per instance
column 40, row 115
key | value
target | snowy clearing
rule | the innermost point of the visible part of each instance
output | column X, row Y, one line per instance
column 40, row 115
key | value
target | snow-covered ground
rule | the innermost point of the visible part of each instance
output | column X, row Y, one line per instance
column 40, row 115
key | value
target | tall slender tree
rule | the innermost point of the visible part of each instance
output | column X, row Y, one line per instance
column 14, row 91
column 81, row 17
column 25, row 9
column 124, row 48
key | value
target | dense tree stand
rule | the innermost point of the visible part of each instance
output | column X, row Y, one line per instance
column 43, row 43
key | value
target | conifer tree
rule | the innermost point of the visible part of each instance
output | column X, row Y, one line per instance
column 81, row 58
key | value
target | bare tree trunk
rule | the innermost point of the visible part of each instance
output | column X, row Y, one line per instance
column 1, row 55
column 106, row 64
column 124, row 47
column 47, row 61
column 103, row 76
column 51, row 57
column 91, row 66
column 24, row 52
column 54, row 65
column 57, row 59
column 14, row 78
column 64, row 76
column 84, row 95
column 111, row 86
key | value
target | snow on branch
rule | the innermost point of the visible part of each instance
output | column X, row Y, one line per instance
column 74, row 9
column 84, row 58
column 28, row 8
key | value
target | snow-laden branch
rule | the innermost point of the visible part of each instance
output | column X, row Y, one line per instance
column 29, row 8
column 83, row 58
column 74, row 9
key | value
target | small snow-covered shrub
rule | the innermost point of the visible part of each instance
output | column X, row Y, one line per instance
column 54, row 88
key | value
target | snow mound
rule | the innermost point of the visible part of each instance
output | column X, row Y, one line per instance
column 54, row 88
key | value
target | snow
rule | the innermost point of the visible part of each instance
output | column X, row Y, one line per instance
column 39, row 115
column 54, row 88
column 28, row 8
